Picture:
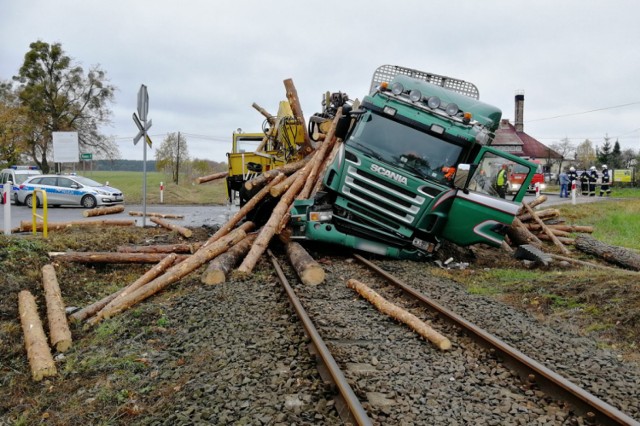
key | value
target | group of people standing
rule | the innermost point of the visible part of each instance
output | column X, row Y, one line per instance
column 588, row 180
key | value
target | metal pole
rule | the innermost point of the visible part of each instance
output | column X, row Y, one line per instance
column 144, row 173
column 6, row 197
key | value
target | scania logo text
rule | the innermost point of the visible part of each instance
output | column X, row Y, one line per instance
column 388, row 173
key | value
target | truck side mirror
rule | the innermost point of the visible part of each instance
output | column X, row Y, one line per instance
column 461, row 177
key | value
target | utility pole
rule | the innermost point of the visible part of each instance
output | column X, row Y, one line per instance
column 178, row 159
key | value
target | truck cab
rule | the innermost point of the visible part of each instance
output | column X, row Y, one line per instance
column 415, row 167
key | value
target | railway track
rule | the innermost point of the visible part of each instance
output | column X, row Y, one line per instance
column 385, row 374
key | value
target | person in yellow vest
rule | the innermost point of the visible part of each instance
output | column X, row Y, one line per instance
column 502, row 181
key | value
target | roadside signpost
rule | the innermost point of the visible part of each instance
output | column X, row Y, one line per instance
column 143, row 126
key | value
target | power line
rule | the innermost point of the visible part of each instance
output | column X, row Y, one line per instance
column 583, row 112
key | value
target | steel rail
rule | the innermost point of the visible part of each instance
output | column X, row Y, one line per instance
column 352, row 402
column 593, row 408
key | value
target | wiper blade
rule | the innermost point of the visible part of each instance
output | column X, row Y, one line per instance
column 369, row 151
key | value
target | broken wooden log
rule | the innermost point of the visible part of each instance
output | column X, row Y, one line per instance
column 59, row 332
column 101, row 211
column 162, row 215
column 35, row 341
column 185, row 232
column 176, row 272
column 94, row 308
column 400, row 314
column 212, row 177
column 309, row 271
column 26, row 225
column 109, row 257
column 547, row 231
column 220, row 267
column 270, row 118
column 613, row 254
column 160, row 248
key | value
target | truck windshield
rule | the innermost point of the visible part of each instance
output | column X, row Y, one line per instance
column 393, row 142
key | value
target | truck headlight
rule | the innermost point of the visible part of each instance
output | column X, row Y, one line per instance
column 324, row 216
column 515, row 186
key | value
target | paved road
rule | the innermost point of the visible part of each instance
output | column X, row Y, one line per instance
column 193, row 215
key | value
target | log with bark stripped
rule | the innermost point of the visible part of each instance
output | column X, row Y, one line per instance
column 101, row 211
column 282, row 187
column 109, row 257
column 309, row 271
column 26, row 225
column 152, row 273
column 160, row 248
column 220, row 267
column 162, row 215
column 185, row 232
column 176, row 272
column 212, row 177
column 59, row 332
column 613, row 254
column 35, row 341
column 400, row 314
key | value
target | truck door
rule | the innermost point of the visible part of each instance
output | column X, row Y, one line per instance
column 478, row 214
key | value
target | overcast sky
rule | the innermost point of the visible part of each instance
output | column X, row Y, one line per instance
column 205, row 62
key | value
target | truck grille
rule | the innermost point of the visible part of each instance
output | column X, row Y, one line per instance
column 387, row 197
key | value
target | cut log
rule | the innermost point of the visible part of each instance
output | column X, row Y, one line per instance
column 563, row 240
column 534, row 203
column 546, row 230
column 325, row 165
column 321, row 152
column 95, row 307
column 162, row 215
column 542, row 214
column 220, row 267
column 35, row 341
column 250, row 205
column 110, row 301
column 210, row 178
column 281, row 188
column 309, row 271
column 270, row 118
column 273, row 224
column 613, row 254
column 560, row 227
column 26, row 225
column 176, row 272
column 109, row 257
column 296, row 107
column 589, row 264
column 59, row 332
column 101, row 211
column 185, row 232
column 287, row 169
column 519, row 234
column 400, row 314
column 160, row 248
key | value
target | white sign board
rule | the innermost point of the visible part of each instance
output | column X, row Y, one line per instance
column 65, row 147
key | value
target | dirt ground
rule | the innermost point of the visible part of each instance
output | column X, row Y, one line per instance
column 598, row 303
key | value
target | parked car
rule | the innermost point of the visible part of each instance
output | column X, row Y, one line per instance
column 17, row 175
column 68, row 190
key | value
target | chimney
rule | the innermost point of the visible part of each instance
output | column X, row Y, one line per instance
column 519, row 117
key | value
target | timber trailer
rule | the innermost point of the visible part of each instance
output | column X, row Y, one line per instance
column 415, row 167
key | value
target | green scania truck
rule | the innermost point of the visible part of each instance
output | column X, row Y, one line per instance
column 415, row 167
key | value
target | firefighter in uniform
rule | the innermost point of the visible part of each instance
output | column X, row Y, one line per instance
column 606, row 180
column 584, row 182
column 593, row 179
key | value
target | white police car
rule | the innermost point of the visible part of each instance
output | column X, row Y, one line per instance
column 16, row 175
column 68, row 190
